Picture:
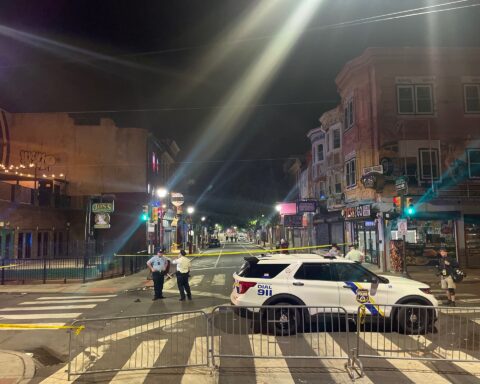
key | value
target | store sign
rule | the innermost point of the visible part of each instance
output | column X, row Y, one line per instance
column 177, row 199
column 102, row 207
column 102, row 221
column 362, row 211
column 288, row 208
column 306, row 206
column 401, row 185
column 293, row 221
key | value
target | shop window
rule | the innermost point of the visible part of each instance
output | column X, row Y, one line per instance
column 472, row 98
column 350, row 172
column 320, row 156
column 349, row 116
column 429, row 166
column 415, row 99
column 336, row 138
column 314, row 271
column 473, row 156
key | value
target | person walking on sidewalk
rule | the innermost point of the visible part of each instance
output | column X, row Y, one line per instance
column 354, row 254
column 446, row 267
column 158, row 264
column 183, row 273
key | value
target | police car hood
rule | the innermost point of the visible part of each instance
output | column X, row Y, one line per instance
column 404, row 281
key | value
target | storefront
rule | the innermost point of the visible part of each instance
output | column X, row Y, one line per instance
column 328, row 228
column 426, row 234
column 472, row 240
column 361, row 228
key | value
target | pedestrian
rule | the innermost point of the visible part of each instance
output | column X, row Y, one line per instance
column 354, row 254
column 446, row 268
column 183, row 273
column 334, row 251
column 284, row 245
column 158, row 264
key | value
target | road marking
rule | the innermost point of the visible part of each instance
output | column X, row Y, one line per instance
column 40, row 316
column 51, row 307
column 416, row 371
column 470, row 300
column 220, row 254
column 74, row 297
column 63, row 301
column 219, row 279
column 196, row 280
column 145, row 355
column 198, row 355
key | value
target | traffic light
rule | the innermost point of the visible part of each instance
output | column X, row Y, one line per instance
column 409, row 206
column 145, row 215
column 154, row 214
column 397, row 204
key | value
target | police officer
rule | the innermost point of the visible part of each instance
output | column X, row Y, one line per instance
column 183, row 273
column 158, row 264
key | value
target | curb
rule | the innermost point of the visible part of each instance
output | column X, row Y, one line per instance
column 28, row 366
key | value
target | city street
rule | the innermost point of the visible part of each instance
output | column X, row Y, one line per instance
column 184, row 337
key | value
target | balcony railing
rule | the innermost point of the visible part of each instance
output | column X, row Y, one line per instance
column 465, row 190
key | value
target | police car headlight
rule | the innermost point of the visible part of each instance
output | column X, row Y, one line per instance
column 426, row 291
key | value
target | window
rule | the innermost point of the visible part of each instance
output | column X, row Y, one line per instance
column 338, row 183
column 349, row 114
column 415, row 99
column 266, row 271
column 428, row 164
column 353, row 272
column 350, row 172
column 473, row 156
column 336, row 139
column 314, row 271
column 472, row 98
column 320, row 152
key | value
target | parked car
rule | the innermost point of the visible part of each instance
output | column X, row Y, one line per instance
column 214, row 243
column 314, row 281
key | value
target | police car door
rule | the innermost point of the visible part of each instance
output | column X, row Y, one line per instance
column 315, row 285
column 355, row 283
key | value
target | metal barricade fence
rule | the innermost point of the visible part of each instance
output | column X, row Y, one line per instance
column 166, row 340
column 415, row 332
column 279, row 331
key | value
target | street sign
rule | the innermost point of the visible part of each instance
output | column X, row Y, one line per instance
column 402, row 227
column 401, row 185
column 102, row 207
column 151, row 227
column 102, row 221
column 177, row 199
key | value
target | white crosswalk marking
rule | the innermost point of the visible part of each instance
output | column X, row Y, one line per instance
column 63, row 301
column 48, row 308
column 418, row 372
column 197, row 356
column 39, row 316
column 75, row 297
column 196, row 280
column 219, row 279
column 145, row 355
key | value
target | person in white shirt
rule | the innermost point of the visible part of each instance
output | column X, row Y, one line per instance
column 334, row 251
column 158, row 264
column 354, row 254
column 183, row 273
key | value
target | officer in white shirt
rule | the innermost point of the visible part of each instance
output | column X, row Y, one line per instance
column 158, row 264
column 183, row 273
column 354, row 254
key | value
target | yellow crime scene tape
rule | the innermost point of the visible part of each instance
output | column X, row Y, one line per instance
column 77, row 329
column 9, row 266
column 251, row 251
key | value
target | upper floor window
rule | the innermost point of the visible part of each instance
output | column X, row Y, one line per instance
column 429, row 164
column 350, row 172
column 336, row 138
column 338, row 183
column 473, row 156
column 349, row 114
column 320, row 152
column 415, row 99
column 472, row 98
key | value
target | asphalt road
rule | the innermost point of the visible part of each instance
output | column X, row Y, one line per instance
column 145, row 333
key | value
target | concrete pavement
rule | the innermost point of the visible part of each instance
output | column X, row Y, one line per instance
column 16, row 367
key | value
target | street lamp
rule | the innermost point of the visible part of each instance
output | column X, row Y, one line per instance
column 278, row 207
column 162, row 193
column 190, row 210
column 203, row 218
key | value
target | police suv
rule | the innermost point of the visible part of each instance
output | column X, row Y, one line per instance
column 312, row 280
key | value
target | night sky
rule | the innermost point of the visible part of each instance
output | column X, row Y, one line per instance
column 149, row 64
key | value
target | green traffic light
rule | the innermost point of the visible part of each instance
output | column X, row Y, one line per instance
column 410, row 211
column 144, row 217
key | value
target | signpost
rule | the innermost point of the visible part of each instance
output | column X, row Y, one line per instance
column 401, row 185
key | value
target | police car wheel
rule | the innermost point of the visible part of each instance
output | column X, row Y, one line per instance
column 413, row 320
column 282, row 320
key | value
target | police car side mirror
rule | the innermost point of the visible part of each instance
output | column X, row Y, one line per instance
column 374, row 286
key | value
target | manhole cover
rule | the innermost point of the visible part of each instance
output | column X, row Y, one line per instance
column 45, row 357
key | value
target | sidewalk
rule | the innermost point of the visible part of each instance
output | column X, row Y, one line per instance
column 16, row 367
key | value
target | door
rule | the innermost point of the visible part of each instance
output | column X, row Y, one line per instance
column 6, row 243
column 314, row 284
column 472, row 240
column 355, row 283
column 24, row 245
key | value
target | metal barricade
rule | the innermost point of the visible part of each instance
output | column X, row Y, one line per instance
column 166, row 340
column 415, row 332
column 279, row 332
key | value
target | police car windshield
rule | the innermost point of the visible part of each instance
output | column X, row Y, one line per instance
column 256, row 270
